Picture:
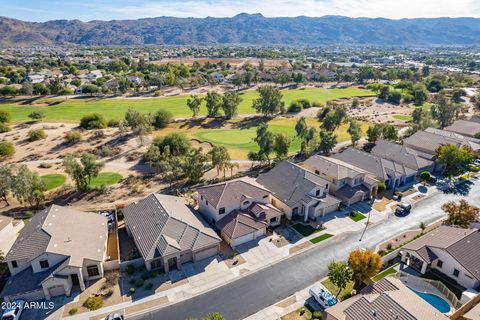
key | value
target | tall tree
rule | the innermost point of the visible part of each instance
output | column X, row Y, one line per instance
column 6, row 182
column 461, row 214
column 444, row 111
column 82, row 172
column 213, row 103
column 355, row 131
column 374, row 132
column 420, row 94
column 339, row 274
column 454, row 159
column 389, row 132
column 220, row 158
column 29, row 188
column 328, row 141
column 194, row 103
column 269, row 102
column 264, row 139
column 364, row 264
column 309, row 142
column 281, row 144
column 301, row 127
column 195, row 165
column 139, row 123
column 230, row 102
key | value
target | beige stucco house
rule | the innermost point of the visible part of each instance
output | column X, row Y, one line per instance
column 59, row 249
column 169, row 232
column 346, row 182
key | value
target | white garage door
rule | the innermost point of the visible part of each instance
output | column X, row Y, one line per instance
column 56, row 291
column 242, row 240
column 186, row 257
column 29, row 296
column 330, row 209
column 206, row 253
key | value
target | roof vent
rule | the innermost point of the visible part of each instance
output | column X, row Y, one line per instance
column 68, row 240
column 374, row 313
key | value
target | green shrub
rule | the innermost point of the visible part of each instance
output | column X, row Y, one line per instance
column 73, row 311
column 162, row 118
column 113, row 123
column 4, row 127
column 93, row 121
column 36, row 115
column 317, row 315
column 7, row 149
column 381, row 186
column 139, row 283
column 5, row 116
column 294, row 107
column 73, row 136
column 130, row 269
column 304, row 103
column 149, row 286
column 93, row 303
column 132, row 281
column 145, row 275
column 36, row 134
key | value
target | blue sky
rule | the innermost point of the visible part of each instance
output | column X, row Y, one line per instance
column 86, row 10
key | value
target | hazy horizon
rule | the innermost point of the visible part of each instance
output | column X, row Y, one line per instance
column 88, row 10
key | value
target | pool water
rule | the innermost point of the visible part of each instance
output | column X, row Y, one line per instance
column 434, row 300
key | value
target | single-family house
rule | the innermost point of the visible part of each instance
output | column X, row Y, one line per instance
column 392, row 173
column 298, row 192
column 217, row 200
column 168, row 232
column 93, row 75
column 59, row 249
column 8, row 233
column 36, row 78
column 346, row 182
column 466, row 128
column 403, row 155
column 427, row 142
column 450, row 250
column 217, row 77
column 135, row 80
column 387, row 299
column 240, row 209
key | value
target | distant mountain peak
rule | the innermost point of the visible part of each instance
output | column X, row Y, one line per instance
column 244, row 28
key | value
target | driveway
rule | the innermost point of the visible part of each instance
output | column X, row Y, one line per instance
column 251, row 293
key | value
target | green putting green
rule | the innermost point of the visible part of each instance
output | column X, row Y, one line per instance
column 60, row 109
column 106, row 178
column 54, row 180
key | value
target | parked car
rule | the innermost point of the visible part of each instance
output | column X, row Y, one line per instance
column 403, row 209
column 14, row 310
column 322, row 296
column 114, row 316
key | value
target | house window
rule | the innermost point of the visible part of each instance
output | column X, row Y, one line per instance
column 14, row 264
column 274, row 219
column 265, row 196
column 201, row 197
column 206, row 202
column 246, row 203
column 317, row 193
column 326, row 186
column 456, row 272
column 317, row 172
column 440, row 264
column 44, row 264
column 92, row 271
column 295, row 211
column 222, row 210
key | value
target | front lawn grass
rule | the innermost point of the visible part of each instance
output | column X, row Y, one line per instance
column 345, row 293
column 402, row 117
column 318, row 239
column 356, row 216
column 385, row 273
column 54, row 180
column 305, row 229
column 106, row 178
column 60, row 109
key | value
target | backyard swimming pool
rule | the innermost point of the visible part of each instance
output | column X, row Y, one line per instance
column 434, row 300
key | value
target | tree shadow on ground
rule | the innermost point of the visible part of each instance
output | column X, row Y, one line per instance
column 463, row 188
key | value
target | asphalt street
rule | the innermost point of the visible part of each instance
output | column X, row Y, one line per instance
column 249, row 294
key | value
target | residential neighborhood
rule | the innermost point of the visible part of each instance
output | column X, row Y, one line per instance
column 220, row 160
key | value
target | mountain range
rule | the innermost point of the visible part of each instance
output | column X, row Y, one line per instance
column 244, row 29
